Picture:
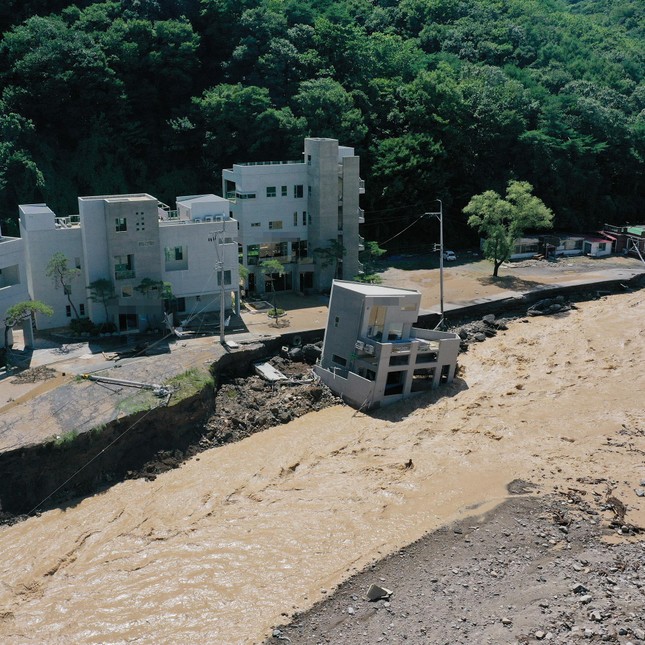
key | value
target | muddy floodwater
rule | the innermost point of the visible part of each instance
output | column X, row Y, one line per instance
column 240, row 537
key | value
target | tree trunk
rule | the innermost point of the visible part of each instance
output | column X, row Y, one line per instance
column 496, row 265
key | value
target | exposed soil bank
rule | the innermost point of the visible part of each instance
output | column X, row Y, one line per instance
column 144, row 444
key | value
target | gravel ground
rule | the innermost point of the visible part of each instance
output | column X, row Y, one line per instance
column 533, row 569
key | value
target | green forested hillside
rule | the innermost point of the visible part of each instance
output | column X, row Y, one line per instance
column 441, row 98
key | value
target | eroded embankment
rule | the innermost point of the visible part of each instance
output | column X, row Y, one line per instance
column 144, row 444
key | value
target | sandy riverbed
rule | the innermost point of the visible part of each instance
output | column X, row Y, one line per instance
column 230, row 544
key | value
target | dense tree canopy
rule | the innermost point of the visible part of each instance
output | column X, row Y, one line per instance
column 440, row 98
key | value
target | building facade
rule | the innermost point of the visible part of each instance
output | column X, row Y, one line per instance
column 372, row 355
column 13, row 280
column 290, row 209
column 136, row 246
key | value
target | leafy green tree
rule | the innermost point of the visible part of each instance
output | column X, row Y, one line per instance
column 102, row 291
column 20, row 312
column 331, row 255
column 502, row 221
column 269, row 268
column 63, row 276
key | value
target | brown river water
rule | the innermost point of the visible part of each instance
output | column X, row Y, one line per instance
column 242, row 536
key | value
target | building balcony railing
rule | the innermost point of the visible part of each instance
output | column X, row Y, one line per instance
column 361, row 186
column 125, row 274
column 361, row 243
column 270, row 163
column 361, row 216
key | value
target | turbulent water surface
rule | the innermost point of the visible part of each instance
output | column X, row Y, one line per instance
column 241, row 536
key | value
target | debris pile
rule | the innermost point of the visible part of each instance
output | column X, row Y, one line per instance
column 33, row 375
column 478, row 331
column 549, row 306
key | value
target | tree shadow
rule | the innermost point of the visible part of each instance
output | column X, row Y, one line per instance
column 510, row 282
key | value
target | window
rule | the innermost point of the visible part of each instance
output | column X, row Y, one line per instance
column 336, row 321
column 244, row 195
column 67, row 289
column 227, row 278
column 309, row 191
column 198, row 298
column 255, row 224
column 295, row 218
column 271, row 191
column 283, row 191
column 121, row 224
column 339, row 360
column 309, row 219
column 126, row 291
column 77, row 263
column 176, row 258
column 68, row 311
column 276, row 225
column 304, row 218
column 123, row 267
column 252, row 254
column 299, row 249
column 309, row 160
column 181, row 304
column 81, row 309
column 298, row 190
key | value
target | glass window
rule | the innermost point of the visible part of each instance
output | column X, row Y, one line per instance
column 121, row 224
column 298, row 190
column 271, row 191
column 255, row 224
column 283, row 191
column 275, row 225
column 68, row 311
column 123, row 267
column 81, row 309
column 252, row 254
column 304, row 218
column 295, row 218
column 227, row 278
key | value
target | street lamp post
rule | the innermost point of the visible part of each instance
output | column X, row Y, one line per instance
column 439, row 215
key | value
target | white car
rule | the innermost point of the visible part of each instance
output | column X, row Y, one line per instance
column 449, row 256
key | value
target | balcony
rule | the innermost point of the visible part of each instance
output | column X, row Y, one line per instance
column 361, row 216
column 361, row 186
column 361, row 243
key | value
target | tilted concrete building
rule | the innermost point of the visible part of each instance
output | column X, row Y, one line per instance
column 372, row 355
column 288, row 209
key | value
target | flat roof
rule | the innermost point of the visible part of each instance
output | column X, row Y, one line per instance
column 133, row 197
column 35, row 209
column 374, row 289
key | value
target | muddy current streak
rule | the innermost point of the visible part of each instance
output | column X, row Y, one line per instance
column 217, row 550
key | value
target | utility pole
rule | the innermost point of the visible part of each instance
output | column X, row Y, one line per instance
column 217, row 238
column 439, row 215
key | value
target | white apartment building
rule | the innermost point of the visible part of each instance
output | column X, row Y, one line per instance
column 287, row 209
column 372, row 355
column 13, row 281
column 137, row 244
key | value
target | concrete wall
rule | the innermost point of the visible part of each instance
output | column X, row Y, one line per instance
column 42, row 239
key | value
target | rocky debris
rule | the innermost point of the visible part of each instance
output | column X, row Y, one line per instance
column 33, row 375
column 511, row 576
column 376, row 592
column 549, row 306
column 250, row 404
column 479, row 330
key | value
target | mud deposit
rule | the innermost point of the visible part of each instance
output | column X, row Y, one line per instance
column 243, row 537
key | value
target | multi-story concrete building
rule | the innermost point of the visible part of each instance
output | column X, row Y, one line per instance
column 288, row 209
column 372, row 355
column 135, row 244
column 13, row 280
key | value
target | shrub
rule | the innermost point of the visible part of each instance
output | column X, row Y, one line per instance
column 83, row 326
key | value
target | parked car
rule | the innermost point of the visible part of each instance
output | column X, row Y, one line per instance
column 449, row 256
